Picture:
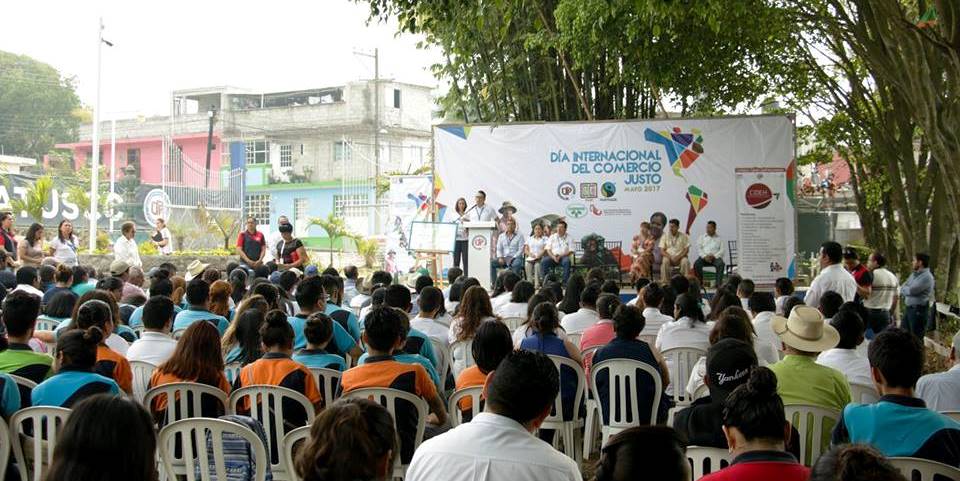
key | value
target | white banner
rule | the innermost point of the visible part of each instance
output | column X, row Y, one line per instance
column 763, row 226
column 409, row 201
column 608, row 177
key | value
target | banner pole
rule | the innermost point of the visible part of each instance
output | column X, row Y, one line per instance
column 433, row 177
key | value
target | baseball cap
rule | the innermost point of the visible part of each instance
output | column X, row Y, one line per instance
column 729, row 362
column 118, row 267
column 311, row 270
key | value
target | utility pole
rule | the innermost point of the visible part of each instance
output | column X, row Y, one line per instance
column 95, row 147
column 376, row 127
column 113, row 164
column 212, row 114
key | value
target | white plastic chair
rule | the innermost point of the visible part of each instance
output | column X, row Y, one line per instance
column 46, row 324
column 5, row 447
column 24, row 385
column 809, row 421
column 444, row 358
column 183, row 399
column 142, row 371
column 178, row 333
column 567, row 430
column 955, row 415
column 513, row 322
column 388, row 398
column 266, row 406
column 863, row 394
column 453, row 405
column 47, row 423
column 232, row 371
column 683, row 360
column 622, row 393
column 704, row 461
column 329, row 379
column 465, row 347
column 193, row 435
column 575, row 337
column 702, row 391
column 290, row 441
column 650, row 339
column 925, row 468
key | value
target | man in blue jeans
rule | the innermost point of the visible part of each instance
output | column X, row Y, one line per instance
column 558, row 252
column 917, row 293
column 509, row 251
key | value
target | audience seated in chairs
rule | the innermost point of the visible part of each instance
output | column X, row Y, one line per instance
column 690, row 330
column 602, row 332
column 491, row 344
column 844, row 357
column 653, row 295
column 645, row 452
column 586, row 316
column 75, row 379
column 527, row 328
column 310, row 299
column 415, row 342
column 248, row 347
column 97, row 313
column 763, row 307
column 155, row 344
column 517, row 306
column 854, row 462
column 474, row 310
column 198, row 296
column 20, row 311
column 503, row 289
column 570, row 301
column 432, row 318
column 319, row 332
column 941, row 391
column 498, row 443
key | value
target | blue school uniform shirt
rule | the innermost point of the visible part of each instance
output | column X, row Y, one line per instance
column 136, row 318
column 352, row 323
column 407, row 358
column 9, row 396
column 341, row 343
column 419, row 343
column 68, row 386
column 319, row 358
column 187, row 317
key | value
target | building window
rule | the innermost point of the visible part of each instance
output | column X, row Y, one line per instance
column 286, row 156
column 258, row 151
column 396, row 98
column 175, row 164
column 351, row 205
column 133, row 158
column 258, row 207
column 300, row 207
column 341, row 151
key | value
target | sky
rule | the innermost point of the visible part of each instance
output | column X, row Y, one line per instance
column 176, row 44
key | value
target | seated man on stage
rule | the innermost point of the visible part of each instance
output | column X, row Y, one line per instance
column 509, row 251
column 674, row 245
column 559, row 252
column 711, row 253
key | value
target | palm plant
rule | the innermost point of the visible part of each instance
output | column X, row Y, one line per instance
column 36, row 199
column 335, row 227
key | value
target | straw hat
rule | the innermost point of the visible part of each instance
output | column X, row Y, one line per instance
column 195, row 269
column 805, row 330
column 507, row 206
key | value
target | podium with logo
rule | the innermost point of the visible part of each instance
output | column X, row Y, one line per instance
column 479, row 240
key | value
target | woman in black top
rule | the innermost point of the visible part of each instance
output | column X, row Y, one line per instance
column 290, row 251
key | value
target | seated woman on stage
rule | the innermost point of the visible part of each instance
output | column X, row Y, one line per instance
column 642, row 249
column 595, row 253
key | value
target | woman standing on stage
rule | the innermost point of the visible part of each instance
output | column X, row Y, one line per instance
column 460, row 246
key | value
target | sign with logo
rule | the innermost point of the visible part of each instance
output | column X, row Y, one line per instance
column 764, row 225
column 479, row 242
column 608, row 177
column 156, row 205
column 759, row 196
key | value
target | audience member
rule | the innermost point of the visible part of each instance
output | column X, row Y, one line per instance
column 832, row 277
column 333, row 291
column 644, row 452
column 155, row 345
column 517, row 307
column 844, row 357
column 639, row 285
column 310, row 299
column 453, row 275
column 160, row 287
column 75, row 378
column 508, row 280
column 350, row 290
column 19, row 314
column 854, row 462
column 783, row 290
column 28, row 280
column 63, row 278
column 570, row 302
column 790, row 304
column 220, row 292
column 198, row 359
column 527, row 328
column 830, row 304
column 763, row 308
column 474, row 309
column 586, row 316
column 248, row 347
column 498, row 443
column 745, row 290
column 652, row 298
column 734, row 323
column 900, row 423
column 941, row 391
column 690, row 330
column 81, row 280
column 432, row 319
column 491, row 344
column 198, row 297
column 96, row 313
column 546, row 319
column 319, row 333
column 416, row 342
column 602, row 332
column 422, row 282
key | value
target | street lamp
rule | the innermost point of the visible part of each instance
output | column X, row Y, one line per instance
column 95, row 162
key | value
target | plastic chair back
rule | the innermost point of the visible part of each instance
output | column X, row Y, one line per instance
column 453, row 405
column 329, row 381
column 46, row 324
column 183, row 399
column 575, row 337
column 34, row 452
column 863, row 394
column 290, row 448
column 388, row 398
column 683, row 360
column 232, row 371
column 704, row 461
column 624, row 406
column 918, row 469
column 266, row 406
column 809, row 421
column 25, row 386
column 193, row 434
column 142, row 371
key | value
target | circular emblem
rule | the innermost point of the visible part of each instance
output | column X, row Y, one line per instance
column 759, row 196
column 479, row 241
column 156, row 205
column 566, row 190
column 609, row 189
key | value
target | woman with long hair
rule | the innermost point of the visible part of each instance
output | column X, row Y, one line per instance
column 571, row 296
column 63, row 280
column 198, row 359
column 351, row 440
column 642, row 248
column 256, row 302
column 460, row 246
column 75, row 378
column 100, row 424
column 474, row 309
column 179, row 290
column 30, row 251
column 690, row 329
column 113, row 340
column 722, row 300
column 97, row 313
column 248, row 346
column 238, row 281
column 64, row 246
column 220, row 299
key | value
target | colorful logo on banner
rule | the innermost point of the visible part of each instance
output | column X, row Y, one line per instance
column 588, row 190
column 577, row 211
column 609, row 189
column 683, row 148
column 698, row 200
column 759, row 196
column 566, row 190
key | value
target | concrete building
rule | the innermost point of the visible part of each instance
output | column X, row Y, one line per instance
column 302, row 154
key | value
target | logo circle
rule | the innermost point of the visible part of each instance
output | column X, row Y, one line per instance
column 566, row 190
column 156, row 205
column 759, row 196
column 609, row 189
column 479, row 241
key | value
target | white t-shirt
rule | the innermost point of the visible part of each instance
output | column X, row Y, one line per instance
column 512, row 309
column 167, row 249
column 482, row 214
column 683, row 332
column 577, row 322
column 855, row 368
column 883, row 291
column 65, row 252
column 536, row 245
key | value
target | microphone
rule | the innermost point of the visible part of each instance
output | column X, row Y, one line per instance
column 467, row 212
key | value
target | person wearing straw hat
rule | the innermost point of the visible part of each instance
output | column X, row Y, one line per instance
column 802, row 381
column 195, row 269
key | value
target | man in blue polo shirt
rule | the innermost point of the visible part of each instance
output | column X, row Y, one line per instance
column 310, row 299
column 900, row 423
column 198, row 298
column 333, row 291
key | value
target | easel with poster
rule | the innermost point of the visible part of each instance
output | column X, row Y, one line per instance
column 429, row 242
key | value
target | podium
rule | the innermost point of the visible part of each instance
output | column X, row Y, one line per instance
column 479, row 247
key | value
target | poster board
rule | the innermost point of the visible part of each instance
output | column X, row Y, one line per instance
column 432, row 236
column 764, row 229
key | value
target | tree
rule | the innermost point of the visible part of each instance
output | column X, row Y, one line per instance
column 335, row 227
column 367, row 248
column 218, row 222
column 37, row 106
column 78, row 191
column 36, row 199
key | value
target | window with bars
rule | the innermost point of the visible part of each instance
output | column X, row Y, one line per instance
column 286, row 156
column 133, row 158
column 258, row 151
column 258, row 207
column 350, row 205
column 341, row 151
column 175, row 164
column 301, row 206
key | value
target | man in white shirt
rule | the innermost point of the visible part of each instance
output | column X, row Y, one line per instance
column 711, row 253
column 674, row 246
column 845, row 358
column 652, row 298
column 832, row 277
column 509, row 251
column 509, row 280
column 883, row 299
column 586, row 316
column 558, row 252
column 767, row 344
column 941, row 391
column 28, row 280
column 125, row 248
column 430, row 300
column 481, row 212
column 155, row 345
column 498, row 444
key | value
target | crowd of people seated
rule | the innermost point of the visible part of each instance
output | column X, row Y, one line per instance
column 232, row 329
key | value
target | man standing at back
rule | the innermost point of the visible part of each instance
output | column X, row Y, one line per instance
column 832, row 277
column 498, row 443
column 917, row 293
column 882, row 301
